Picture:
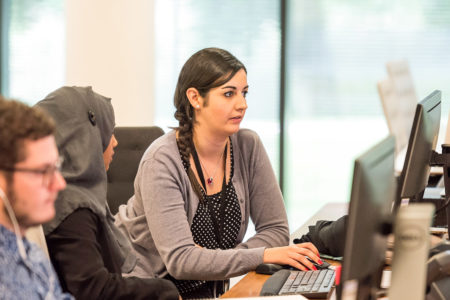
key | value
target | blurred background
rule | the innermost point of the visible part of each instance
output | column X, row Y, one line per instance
column 313, row 68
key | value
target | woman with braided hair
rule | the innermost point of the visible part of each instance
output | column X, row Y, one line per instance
column 198, row 185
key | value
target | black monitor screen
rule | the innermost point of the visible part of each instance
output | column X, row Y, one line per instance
column 373, row 191
column 422, row 142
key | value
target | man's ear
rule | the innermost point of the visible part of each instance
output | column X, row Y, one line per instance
column 194, row 97
column 2, row 181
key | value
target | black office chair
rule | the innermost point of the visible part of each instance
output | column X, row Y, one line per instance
column 133, row 141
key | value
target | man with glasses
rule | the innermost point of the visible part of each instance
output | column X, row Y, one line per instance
column 29, row 183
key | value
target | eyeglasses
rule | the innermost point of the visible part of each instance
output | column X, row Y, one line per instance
column 48, row 173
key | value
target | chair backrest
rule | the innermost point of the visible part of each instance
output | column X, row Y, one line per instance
column 399, row 100
column 36, row 235
column 133, row 141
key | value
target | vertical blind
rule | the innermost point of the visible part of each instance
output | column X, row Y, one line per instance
column 32, row 48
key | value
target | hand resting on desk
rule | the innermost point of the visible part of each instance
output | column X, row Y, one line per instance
column 294, row 255
column 270, row 269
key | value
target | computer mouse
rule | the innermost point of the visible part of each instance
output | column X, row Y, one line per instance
column 325, row 264
column 268, row 269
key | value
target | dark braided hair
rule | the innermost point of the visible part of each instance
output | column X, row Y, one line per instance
column 206, row 69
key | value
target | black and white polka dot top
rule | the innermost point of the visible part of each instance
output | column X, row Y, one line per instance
column 202, row 227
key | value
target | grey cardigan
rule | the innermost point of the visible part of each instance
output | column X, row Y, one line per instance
column 158, row 218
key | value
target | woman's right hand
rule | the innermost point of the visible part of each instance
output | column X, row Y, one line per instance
column 293, row 255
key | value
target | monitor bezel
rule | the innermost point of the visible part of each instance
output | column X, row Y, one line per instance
column 379, row 206
column 416, row 167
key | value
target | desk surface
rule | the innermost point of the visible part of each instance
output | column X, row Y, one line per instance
column 251, row 284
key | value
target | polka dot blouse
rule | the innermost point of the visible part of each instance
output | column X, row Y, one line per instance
column 202, row 227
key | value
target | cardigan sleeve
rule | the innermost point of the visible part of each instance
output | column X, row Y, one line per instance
column 78, row 258
column 267, row 209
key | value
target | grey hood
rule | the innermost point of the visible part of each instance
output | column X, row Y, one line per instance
column 84, row 126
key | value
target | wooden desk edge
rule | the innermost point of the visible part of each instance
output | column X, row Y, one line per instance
column 251, row 283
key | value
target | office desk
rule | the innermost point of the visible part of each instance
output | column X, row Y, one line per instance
column 251, row 284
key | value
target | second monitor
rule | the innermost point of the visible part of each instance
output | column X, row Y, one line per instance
column 369, row 220
column 422, row 142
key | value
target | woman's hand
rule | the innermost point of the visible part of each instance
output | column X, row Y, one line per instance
column 293, row 255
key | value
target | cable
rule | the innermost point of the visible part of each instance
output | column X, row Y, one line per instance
column 447, row 202
column 51, row 285
column 12, row 216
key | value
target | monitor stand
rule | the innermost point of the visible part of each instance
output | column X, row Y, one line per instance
column 436, row 196
column 411, row 248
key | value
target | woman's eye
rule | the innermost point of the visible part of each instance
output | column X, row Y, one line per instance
column 244, row 93
column 228, row 94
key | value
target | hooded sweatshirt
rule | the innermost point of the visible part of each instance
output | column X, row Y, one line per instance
column 89, row 253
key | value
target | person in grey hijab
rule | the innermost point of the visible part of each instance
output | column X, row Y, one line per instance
column 87, row 250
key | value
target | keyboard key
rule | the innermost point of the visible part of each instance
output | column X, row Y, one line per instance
column 301, row 289
column 306, row 277
column 298, row 279
column 321, row 275
column 313, row 277
column 328, row 278
column 315, row 287
column 286, row 286
column 290, row 280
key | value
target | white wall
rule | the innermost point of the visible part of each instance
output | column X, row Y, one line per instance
column 110, row 47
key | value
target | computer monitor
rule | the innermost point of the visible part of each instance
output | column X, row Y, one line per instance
column 422, row 142
column 369, row 219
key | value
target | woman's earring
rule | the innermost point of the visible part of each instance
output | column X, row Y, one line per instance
column 198, row 106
